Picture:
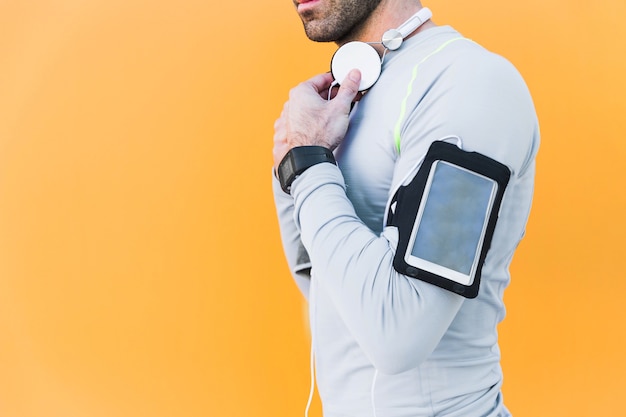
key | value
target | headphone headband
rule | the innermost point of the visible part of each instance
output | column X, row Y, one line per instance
column 392, row 39
column 415, row 21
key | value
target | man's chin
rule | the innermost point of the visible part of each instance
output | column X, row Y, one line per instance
column 319, row 34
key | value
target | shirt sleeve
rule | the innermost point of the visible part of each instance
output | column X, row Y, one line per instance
column 297, row 256
column 397, row 320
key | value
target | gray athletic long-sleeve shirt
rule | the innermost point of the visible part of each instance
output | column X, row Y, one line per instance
column 381, row 339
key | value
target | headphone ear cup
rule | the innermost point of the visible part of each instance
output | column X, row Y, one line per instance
column 357, row 55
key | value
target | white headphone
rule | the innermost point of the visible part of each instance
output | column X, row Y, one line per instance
column 363, row 56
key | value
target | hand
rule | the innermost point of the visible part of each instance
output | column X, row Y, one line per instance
column 310, row 119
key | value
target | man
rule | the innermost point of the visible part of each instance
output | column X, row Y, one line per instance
column 387, row 344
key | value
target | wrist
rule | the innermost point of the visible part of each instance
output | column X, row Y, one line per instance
column 298, row 160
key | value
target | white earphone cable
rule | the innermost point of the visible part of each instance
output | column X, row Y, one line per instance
column 312, row 390
column 330, row 89
column 373, row 391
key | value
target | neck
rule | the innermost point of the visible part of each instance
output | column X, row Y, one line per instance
column 389, row 14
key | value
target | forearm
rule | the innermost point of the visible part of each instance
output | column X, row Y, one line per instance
column 397, row 320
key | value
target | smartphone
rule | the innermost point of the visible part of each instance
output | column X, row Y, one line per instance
column 451, row 223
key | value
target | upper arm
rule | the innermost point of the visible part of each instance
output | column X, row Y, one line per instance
column 484, row 101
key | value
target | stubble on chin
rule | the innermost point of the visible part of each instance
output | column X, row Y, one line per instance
column 337, row 21
column 320, row 29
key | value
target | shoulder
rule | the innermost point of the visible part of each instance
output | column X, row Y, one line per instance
column 492, row 106
column 462, row 89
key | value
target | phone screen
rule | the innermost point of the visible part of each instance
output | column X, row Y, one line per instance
column 452, row 220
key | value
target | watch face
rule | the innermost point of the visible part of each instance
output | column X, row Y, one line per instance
column 286, row 172
column 289, row 168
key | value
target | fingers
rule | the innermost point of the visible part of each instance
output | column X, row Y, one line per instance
column 307, row 119
column 321, row 82
column 348, row 90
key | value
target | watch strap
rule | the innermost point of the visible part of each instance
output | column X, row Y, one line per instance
column 298, row 160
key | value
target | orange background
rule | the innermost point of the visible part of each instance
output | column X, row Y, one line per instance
column 141, row 272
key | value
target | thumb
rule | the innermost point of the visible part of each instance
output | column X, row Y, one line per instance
column 348, row 89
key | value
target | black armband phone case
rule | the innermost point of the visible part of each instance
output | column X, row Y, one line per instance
column 446, row 217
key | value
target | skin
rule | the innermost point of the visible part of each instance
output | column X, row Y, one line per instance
column 337, row 20
column 308, row 118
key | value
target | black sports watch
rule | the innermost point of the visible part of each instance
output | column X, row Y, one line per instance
column 298, row 160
